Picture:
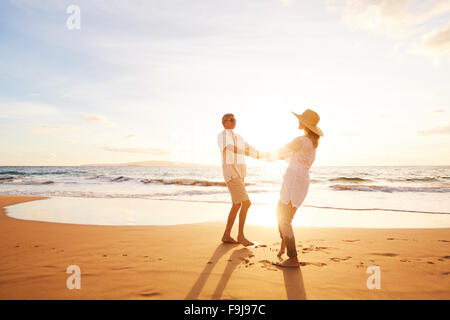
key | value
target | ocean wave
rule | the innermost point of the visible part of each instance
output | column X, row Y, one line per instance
column 13, row 172
column 39, row 173
column 120, row 179
column 350, row 179
column 155, row 195
column 18, row 181
column 424, row 179
column 187, row 182
column 178, row 181
column 389, row 189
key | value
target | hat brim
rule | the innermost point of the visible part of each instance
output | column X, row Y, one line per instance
column 314, row 129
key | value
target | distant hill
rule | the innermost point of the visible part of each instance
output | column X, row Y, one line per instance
column 146, row 164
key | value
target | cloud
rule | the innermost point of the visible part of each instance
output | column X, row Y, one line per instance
column 47, row 128
column 389, row 17
column 97, row 119
column 152, row 151
column 439, row 111
column 435, row 131
column 437, row 41
column 130, row 136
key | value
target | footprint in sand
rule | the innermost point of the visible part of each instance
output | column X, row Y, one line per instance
column 351, row 240
column 385, row 254
column 322, row 249
column 268, row 265
column 444, row 240
column 340, row 259
column 405, row 260
column 317, row 264
column 446, row 257
column 446, row 273
column 149, row 294
column 306, row 250
column 396, row 239
column 120, row 268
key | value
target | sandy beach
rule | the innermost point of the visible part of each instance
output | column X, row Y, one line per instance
column 189, row 262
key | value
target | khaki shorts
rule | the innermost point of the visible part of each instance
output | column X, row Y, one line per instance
column 236, row 186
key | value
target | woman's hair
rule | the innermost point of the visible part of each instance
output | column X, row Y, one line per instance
column 312, row 136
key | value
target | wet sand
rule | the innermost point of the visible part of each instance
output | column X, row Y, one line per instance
column 189, row 262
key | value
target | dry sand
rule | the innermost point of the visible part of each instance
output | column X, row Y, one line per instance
column 189, row 262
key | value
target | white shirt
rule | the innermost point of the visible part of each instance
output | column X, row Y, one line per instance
column 233, row 162
column 296, row 179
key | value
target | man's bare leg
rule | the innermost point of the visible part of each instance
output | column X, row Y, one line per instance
column 231, row 218
column 242, row 216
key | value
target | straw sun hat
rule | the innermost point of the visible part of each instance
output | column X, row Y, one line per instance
column 310, row 119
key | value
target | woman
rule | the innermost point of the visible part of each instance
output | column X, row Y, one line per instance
column 295, row 181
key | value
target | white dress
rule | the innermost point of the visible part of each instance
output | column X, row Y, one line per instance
column 296, row 179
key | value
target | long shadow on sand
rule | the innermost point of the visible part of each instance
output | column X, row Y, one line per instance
column 236, row 258
column 293, row 283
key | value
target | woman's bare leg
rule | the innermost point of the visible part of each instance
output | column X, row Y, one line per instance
column 282, row 248
column 280, row 207
column 285, row 225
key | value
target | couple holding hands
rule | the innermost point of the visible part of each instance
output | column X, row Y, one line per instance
column 301, row 151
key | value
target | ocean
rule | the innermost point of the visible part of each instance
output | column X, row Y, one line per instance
column 422, row 189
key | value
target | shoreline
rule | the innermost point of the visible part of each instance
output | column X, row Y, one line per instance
column 163, row 212
column 189, row 262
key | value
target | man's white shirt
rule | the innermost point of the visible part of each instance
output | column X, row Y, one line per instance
column 233, row 162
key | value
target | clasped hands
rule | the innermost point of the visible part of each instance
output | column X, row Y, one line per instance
column 267, row 156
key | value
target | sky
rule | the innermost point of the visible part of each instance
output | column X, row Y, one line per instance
column 150, row 80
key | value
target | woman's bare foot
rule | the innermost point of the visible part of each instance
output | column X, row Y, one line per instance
column 244, row 241
column 228, row 239
column 282, row 249
column 288, row 263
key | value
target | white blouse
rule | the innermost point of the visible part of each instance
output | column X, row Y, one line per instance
column 296, row 179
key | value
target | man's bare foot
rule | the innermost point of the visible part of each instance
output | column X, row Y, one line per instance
column 288, row 263
column 244, row 241
column 228, row 239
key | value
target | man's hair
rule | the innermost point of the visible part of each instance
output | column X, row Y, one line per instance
column 226, row 116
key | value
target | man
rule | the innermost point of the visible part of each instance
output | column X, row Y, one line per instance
column 233, row 149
